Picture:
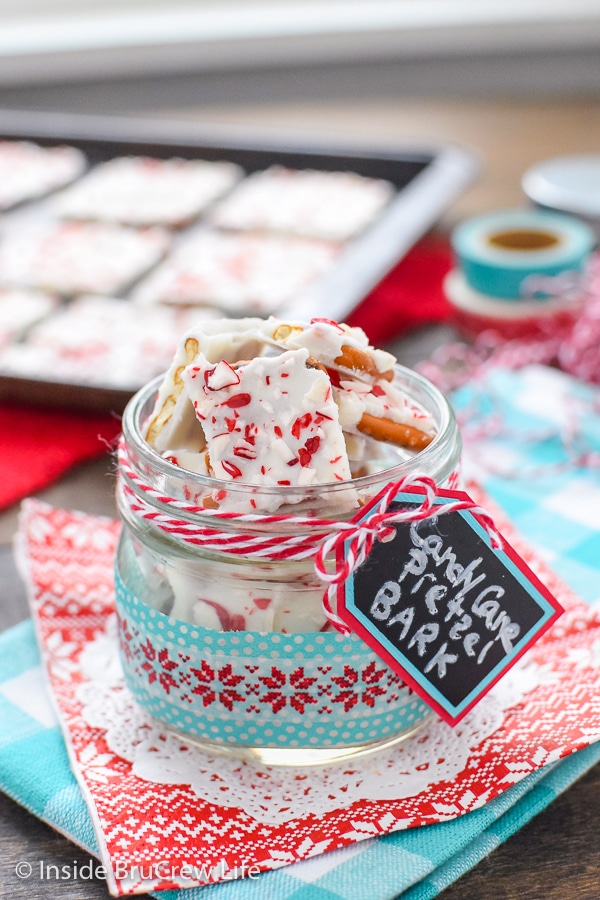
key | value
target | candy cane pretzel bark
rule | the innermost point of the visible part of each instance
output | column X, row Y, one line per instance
column 361, row 378
column 71, row 258
column 100, row 341
column 28, row 170
column 311, row 403
column 264, row 407
column 330, row 205
column 141, row 190
column 336, row 345
column 271, row 421
column 240, row 273
column 173, row 423
column 245, row 603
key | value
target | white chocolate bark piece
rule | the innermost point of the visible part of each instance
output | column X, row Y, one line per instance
column 336, row 345
column 99, row 341
column 173, row 424
column 146, row 191
column 381, row 400
column 368, row 403
column 20, row 309
column 383, row 412
column 79, row 257
column 329, row 205
column 271, row 422
column 257, row 427
column 361, row 378
column 28, row 170
column 250, row 604
column 239, row 273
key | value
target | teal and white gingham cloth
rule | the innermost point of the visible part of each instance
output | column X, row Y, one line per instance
column 543, row 469
column 552, row 505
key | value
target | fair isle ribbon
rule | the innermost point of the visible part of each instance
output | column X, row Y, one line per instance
column 319, row 538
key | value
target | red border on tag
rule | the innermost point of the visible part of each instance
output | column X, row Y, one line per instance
column 371, row 640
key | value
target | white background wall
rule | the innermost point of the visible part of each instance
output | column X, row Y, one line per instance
column 71, row 54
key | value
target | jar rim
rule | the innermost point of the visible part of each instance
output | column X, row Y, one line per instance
column 141, row 454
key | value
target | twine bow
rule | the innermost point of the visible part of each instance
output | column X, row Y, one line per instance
column 379, row 525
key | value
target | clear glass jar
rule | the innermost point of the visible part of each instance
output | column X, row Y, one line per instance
column 237, row 654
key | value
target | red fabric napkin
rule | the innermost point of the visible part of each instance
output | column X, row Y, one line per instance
column 162, row 808
column 38, row 444
column 410, row 295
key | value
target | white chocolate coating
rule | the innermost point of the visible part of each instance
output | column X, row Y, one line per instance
column 79, row 257
column 146, row 191
column 271, row 422
column 28, row 171
column 251, row 273
column 330, row 205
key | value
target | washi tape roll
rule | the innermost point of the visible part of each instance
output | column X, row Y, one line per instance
column 498, row 252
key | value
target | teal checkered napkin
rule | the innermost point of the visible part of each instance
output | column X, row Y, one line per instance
column 417, row 863
column 552, row 504
column 30, row 737
column 542, row 466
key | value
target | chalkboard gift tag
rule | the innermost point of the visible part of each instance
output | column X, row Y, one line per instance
column 441, row 604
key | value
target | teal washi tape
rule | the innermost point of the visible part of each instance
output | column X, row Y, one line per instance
column 266, row 690
column 498, row 252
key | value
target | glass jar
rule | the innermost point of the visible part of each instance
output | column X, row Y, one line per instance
column 236, row 653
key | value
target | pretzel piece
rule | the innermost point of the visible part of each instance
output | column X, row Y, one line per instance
column 383, row 429
column 166, row 411
column 358, row 360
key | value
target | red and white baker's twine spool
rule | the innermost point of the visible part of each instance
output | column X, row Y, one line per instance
column 572, row 344
column 319, row 539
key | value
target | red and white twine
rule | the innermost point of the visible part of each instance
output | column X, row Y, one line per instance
column 291, row 537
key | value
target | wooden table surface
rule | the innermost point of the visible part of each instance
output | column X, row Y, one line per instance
column 557, row 855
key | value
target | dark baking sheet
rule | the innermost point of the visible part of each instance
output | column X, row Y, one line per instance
column 427, row 179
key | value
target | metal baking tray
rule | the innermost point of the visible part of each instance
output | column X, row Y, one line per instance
column 427, row 178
